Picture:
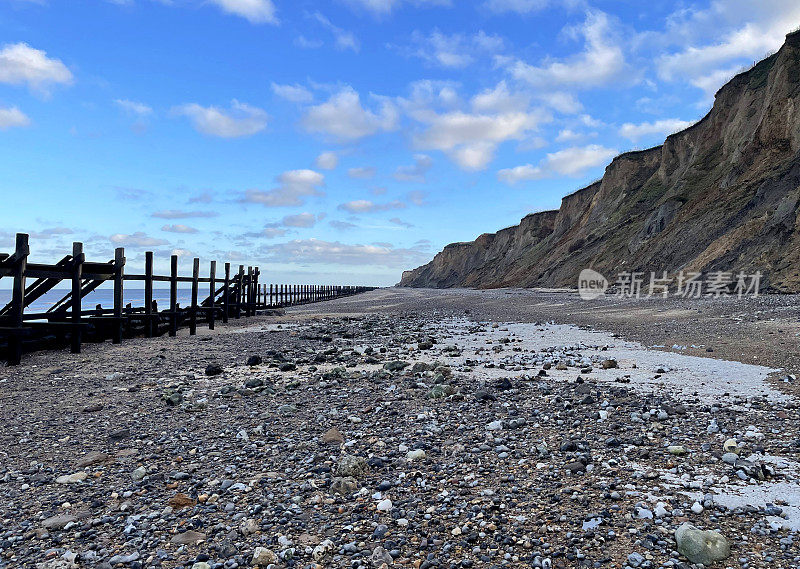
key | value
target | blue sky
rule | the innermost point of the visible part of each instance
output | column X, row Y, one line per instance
column 340, row 141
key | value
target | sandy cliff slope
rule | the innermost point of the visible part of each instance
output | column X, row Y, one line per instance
column 720, row 195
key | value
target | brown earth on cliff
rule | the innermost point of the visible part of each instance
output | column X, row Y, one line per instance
column 722, row 195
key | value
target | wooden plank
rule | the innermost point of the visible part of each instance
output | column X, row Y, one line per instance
column 119, row 271
column 212, row 295
column 106, row 268
column 77, row 279
column 256, row 291
column 226, row 295
column 248, row 310
column 239, row 291
column 20, row 258
column 148, row 294
column 39, row 271
column 193, row 309
column 173, row 296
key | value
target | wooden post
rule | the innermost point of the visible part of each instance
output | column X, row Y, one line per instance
column 270, row 295
column 213, row 288
column 119, row 270
column 148, row 294
column 18, row 299
column 75, row 300
column 243, row 298
column 249, row 299
column 226, row 294
column 173, row 295
column 256, row 290
column 193, row 309
column 239, row 292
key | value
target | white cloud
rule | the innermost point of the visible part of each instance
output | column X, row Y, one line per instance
column 472, row 139
column 518, row 174
column 344, row 39
column 327, row 161
column 563, row 102
column 574, row 161
column 299, row 220
column 342, row 225
column 416, row 172
column 20, row 63
column 569, row 135
column 590, row 121
column 293, row 186
column 50, row 232
column 367, row 206
column 427, row 95
column 499, row 100
column 270, row 232
column 453, row 50
column 334, row 252
column 363, row 173
column 138, row 239
column 179, row 228
column 343, row 117
column 12, row 117
column 306, row 43
column 568, row 162
column 711, row 81
column 385, row 7
column 294, row 93
column 181, row 214
column 240, row 120
column 255, row 11
column 400, row 222
column 601, row 61
column 634, row 132
column 716, row 41
column 205, row 196
column 134, row 107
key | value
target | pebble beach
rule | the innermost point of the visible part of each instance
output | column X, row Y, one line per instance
column 414, row 428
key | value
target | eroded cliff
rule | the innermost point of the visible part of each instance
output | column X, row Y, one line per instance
column 721, row 195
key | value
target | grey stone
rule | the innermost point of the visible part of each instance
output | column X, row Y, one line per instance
column 59, row 521
column 345, row 485
column 701, row 546
column 349, row 465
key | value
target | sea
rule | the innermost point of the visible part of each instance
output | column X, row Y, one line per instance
column 104, row 296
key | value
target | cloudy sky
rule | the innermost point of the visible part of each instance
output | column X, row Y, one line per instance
column 339, row 141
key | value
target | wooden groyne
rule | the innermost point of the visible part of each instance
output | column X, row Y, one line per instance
column 229, row 295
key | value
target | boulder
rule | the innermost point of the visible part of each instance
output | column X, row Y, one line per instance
column 701, row 546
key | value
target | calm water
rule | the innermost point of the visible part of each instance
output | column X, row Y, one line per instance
column 105, row 297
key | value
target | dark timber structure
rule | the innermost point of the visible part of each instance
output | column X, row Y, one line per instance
column 67, row 322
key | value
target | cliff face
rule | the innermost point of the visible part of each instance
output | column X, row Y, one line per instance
column 721, row 195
